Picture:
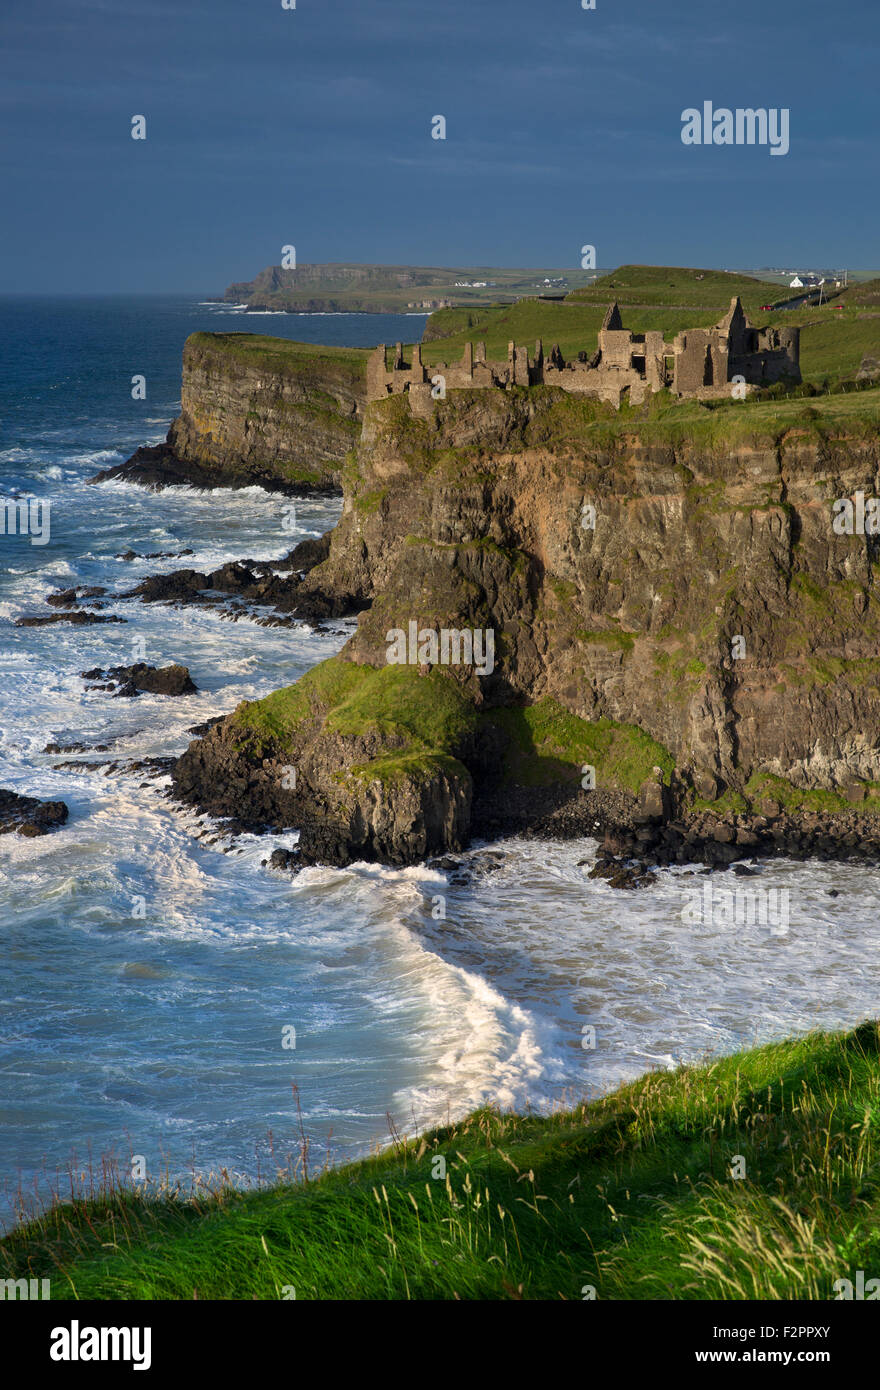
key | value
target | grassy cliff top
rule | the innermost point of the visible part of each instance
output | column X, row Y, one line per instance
column 753, row 1176
column 276, row 354
column 833, row 339
column 679, row 285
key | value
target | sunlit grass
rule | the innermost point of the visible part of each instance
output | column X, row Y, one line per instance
column 634, row 1196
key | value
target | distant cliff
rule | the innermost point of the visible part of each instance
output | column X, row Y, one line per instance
column 354, row 288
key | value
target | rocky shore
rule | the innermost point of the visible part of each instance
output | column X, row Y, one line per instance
column 633, row 839
column 157, row 466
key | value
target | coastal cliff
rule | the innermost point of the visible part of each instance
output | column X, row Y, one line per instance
column 258, row 410
column 668, row 599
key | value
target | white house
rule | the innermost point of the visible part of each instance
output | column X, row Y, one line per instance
column 797, row 283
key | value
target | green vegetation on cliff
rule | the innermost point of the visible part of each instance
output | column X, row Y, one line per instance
column 547, row 417
column 417, row 723
column 433, row 716
column 282, row 355
column 632, row 1196
column 278, row 716
column 357, row 700
column 548, row 745
column 680, row 285
column 791, row 799
column 834, row 338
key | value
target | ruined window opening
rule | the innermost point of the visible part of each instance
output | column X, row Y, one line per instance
column 638, row 363
column 708, row 374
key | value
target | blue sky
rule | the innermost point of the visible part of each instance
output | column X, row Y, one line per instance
column 311, row 127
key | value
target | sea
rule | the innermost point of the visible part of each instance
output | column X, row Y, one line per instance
column 166, row 995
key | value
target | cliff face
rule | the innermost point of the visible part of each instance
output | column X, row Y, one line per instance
column 706, row 599
column 268, row 410
column 659, row 598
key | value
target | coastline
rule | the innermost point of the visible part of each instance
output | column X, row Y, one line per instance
column 634, row 844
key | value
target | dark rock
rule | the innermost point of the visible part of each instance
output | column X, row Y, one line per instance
column 855, row 791
column 76, row 748
column 654, row 801
column 707, row 785
column 445, row 864
column 158, row 466
column 27, row 815
column 132, row 680
column 154, row 554
column 199, row 730
column 285, row 859
column 310, row 552
column 76, row 615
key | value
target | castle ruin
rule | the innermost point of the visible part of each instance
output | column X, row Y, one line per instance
column 701, row 364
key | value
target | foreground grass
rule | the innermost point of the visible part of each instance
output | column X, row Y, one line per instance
column 631, row 1195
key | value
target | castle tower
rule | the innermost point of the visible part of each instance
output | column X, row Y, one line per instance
column 377, row 377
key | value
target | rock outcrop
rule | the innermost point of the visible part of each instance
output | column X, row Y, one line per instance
column 694, row 588
column 257, row 410
column 28, row 816
column 140, row 678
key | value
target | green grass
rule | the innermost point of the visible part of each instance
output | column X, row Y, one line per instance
column 833, row 342
column 547, row 745
column 628, row 1197
column 277, row 717
column 680, row 285
column 280, row 355
column 431, row 711
column 570, row 323
column 422, row 721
